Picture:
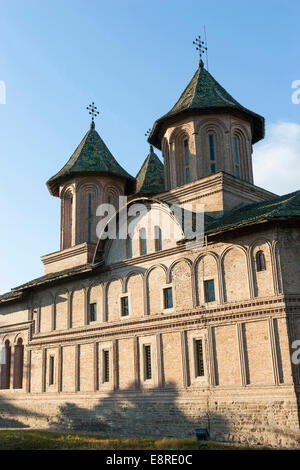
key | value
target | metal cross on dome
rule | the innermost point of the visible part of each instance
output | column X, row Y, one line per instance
column 200, row 46
column 92, row 109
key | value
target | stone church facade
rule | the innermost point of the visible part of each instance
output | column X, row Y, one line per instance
column 150, row 334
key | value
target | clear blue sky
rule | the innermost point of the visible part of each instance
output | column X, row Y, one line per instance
column 133, row 58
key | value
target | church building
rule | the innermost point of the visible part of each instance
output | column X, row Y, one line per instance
column 150, row 334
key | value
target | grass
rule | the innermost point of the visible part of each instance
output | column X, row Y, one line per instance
column 45, row 440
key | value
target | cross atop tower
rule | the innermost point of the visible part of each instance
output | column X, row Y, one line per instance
column 200, row 46
column 92, row 109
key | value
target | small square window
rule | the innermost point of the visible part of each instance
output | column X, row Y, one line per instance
column 124, row 307
column 168, row 297
column 93, row 312
column 209, row 291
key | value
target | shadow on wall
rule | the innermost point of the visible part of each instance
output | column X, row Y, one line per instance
column 141, row 413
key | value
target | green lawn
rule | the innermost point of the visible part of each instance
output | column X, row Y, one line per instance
column 45, row 440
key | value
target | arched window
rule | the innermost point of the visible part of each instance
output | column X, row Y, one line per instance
column 5, row 368
column 212, row 153
column 260, row 261
column 18, row 364
column 143, row 241
column 67, row 220
column 187, row 161
column 158, row 238
column 236, row 157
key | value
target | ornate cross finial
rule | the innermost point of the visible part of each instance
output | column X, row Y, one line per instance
column 148, row 132
column 92, row 109
column 200, row 46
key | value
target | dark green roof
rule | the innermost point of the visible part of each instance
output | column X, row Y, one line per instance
column 151, row 177
column 91, row 156
column 205, row 94
column 278, row 208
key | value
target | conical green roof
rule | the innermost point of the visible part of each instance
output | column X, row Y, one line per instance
column 91, row 156
column 205, row 94
column 151, row 177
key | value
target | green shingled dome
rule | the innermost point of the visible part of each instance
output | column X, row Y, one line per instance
column 205, row 94
column 91, row 156
column 151, row 179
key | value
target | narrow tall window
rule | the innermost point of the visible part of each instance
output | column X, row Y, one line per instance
column 67, row 221
column 209, row 291
column 93, row 312
column 143, row 242
column 199, row 363
column 89, row 218
column 18, row 364
column 106, row 371
column 129, row 246
column 147, row 362
column 212, row 153
column 158, row 238
column 260, row 261
column 51, row 370
column 236, row 158
column 187, row 161
column 124, row 306
column 168, row 298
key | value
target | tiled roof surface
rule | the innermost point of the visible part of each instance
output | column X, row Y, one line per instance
column 151, row 177
column 91, row 155
column 281, row 207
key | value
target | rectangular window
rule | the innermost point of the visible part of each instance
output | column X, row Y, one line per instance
column 158, row 239
column 209, row 291
column 51, row 370
column 93, row 312
column 211, row 147
column 143, row 242
column 199, row 363
column 124, row 307
column 168, row 297
column 147, row 362
column 106, row 371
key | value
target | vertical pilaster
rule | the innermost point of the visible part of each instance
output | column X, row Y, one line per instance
column 211, row 356
column 28, row 371
column 44, row 369
column 273, row 351
column 59, row 368
column 96, row 366
column 115, row 371
column 159, row 360
column 77, row 368
column 136, row 362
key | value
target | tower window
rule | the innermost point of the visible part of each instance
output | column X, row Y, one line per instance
column 67, row 221
column 212, row 153
column 209, row 291
column 129, row 247
column 158, row 239
column 147, row 362
column 124, row 306
column 89, row 218
column 106, row 371
column 187, row 161
column 260, row 261
column 93, row 312
column 236, row 158
column 51, row 370
column 143, row 242
column 199, row 363
column 168, row 298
